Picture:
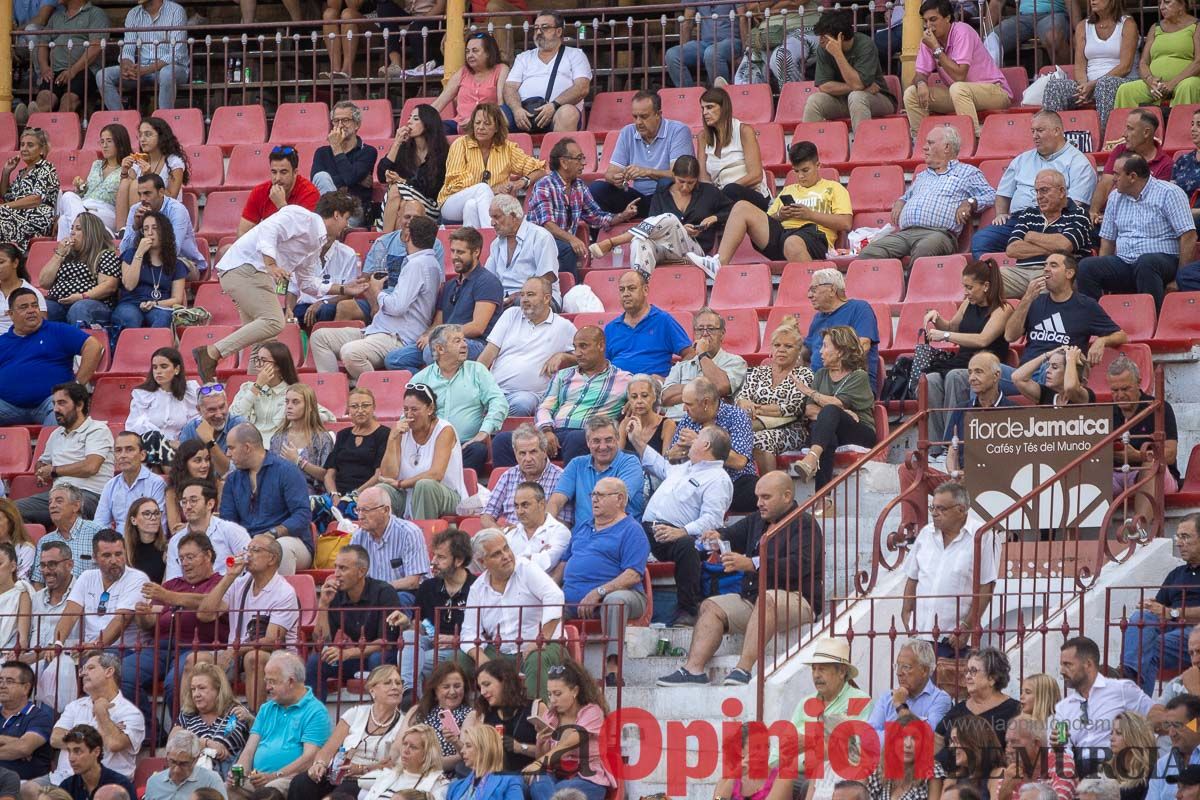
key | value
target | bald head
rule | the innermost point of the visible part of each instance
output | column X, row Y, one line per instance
column 111, row 792
column 535, row 298
column 983, row 375
column 776, row 495
column 245, row 447
column 608, row 501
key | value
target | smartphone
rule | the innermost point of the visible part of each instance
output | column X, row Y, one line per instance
column 449, row 725
column 787, row 200
column 379, row 276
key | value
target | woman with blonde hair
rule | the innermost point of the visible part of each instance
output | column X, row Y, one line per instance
column 80, row 277
column 303, row 438
column 483, row 754
column 13, row 531
column 416, row 765
column 1039, row 696
column 771, row 396
column 1134, row 749
column 16, row 605
column 209, row 709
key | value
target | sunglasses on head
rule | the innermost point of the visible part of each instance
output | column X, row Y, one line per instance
column 421, row 388
column 212, row 388
column 283, row 150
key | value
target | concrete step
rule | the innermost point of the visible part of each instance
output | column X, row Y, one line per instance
column 645, row 671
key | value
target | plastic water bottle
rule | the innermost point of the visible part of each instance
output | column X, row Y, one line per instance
column 618, row 257
column 427, row 628
column 336, row 765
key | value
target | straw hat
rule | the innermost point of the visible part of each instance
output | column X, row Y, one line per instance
column 833, row 651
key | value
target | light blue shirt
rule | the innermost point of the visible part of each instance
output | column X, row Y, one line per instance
column 694, row 497
column 1017, row 181
column 1152, row 222
column 930, row 705
column 181, row 223
column 146, row 47
column 188, row 432
column 388, row 254
column 400, row 553
column 1157, row 788
column 674, row 139
column 160, row 787
column 535, row 255
column 113, row 506
column 934, row 197
column 406, row 308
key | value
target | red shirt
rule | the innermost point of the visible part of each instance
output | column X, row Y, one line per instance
column 259, row 205
column 1160, row 167
column 481, row 7
column 187, row 627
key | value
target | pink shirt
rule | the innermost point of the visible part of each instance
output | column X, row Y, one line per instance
column 964, row 46
column 591, row 719
column 471, row 94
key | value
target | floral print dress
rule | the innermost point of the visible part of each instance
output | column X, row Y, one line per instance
column 760, row 388
column 20, row 225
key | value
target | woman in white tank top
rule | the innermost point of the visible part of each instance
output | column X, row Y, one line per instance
column 731, row 161
column 1105, row 57
column 422, row 467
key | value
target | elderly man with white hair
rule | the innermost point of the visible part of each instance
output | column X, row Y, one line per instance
column 521, row 250
column 1037, row 791
column 1030, row 758
column 915, row 691
column 288, row 731
column 182, row 776
column 942, row 198
column 827, row 293
column 1098, row 789
column 515, row 601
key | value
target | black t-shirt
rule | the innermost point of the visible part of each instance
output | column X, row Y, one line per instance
column 356, row 463
column 1142, row 432
column 1050, row 325
column 150, row 560
column 78, row 790
column 368, row 616
column 431, row 594
column 1046, row 398
column 997, row 717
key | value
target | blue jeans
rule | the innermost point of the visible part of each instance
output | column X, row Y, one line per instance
column 425, row 652
column 414, row 359
column 42, row 414
column 992, row 239
column 889, row 42
column 327, row 312
column 167, row 79
column 127, row 314
column 1149, row 274
column 567, row 260
column 1019, row 28
column 544, row 787
column 685, row 60
column 317, row 671
column 137, row 676
column 1188, row 278
column 1147, row 647
column 83, row 312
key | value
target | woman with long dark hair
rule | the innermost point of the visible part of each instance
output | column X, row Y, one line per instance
column 159, row 153
column 145, row 541
column 479, row 81
column 98, row 192
column 192, row 461
column 978, row 756
column 153, row 277
column 503, row 703
column 576, row 704
column 162, row 404
column 261, row 400
column 13, row 276
column 80, row 277
column 445, row 691
column 732, row 161
column 415, row 165
column 1106, row 46
column 422, row 468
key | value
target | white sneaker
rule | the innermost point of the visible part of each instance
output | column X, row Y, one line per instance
column 710, row 264
column 429, row 68
column 720, row 83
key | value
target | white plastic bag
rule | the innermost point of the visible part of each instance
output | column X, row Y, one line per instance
column 1036, row 93
column 581, row 299
column 749, row 71
column 861, row 237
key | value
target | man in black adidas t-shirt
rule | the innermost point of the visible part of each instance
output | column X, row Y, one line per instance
column 1052, row 314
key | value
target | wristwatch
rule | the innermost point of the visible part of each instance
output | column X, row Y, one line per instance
column 1176, row 613
column 209, row 444
column 602, row 591
column 937, row 53
column 54, row 473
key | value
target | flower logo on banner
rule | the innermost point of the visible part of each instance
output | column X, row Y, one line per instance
column 1083, row 505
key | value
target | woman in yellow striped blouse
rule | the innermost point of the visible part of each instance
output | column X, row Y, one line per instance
column 481, row 163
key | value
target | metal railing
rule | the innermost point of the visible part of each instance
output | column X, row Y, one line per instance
column 1164, row 637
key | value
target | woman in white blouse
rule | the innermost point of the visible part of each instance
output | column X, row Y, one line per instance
column 417, row 765
column 732, row 161
column 422, row 468
column 261, row 401
column 162, row 405
column 15, row 604
column 98, row 193
column 161, row 154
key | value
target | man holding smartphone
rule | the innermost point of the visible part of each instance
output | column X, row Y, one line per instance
column 400, row 314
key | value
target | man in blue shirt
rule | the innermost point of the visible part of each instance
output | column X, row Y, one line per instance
column 915, row 691
column 604, row 565
column 827, row 293
column 646, row 148
column 26, row 723
column 643, row 339
column 152, row 193
column 389, row 252
column 36, row 356
column 703, row 406
column 582, row 473
column 213, row 425
column 267, row 495
column 1182, row 712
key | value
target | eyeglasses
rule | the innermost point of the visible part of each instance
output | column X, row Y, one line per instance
column 361, row 406
column 596, row 495
column 150, row 514
column 370, row 509
column 183, row 763
column 706, row 329
column 212, row 388
column 45, row 565
column 580, row 158
column 102, row 609
column 536, row 29
column 283, row 150
column 486, row 177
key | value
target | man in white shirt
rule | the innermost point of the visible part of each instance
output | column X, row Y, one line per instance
column 104, row 599
column 264, row 614
column 339, row 264
column 692, row 498
column 132, row 481
column 557, row 106
column 79, row 454
column 520, row 251
column 527, row 347
column 941, row 574
column 516, row 601
column 726, row 370
column 537, row 537
column 105, row 709
column 287, row 242
column 56, row 687
column 197, row 501
column 400, row 314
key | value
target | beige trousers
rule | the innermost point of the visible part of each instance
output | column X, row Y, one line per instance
column 858, row 106
column 295, row 556
column 962, row 98
column 358, row 352
column 253, row 293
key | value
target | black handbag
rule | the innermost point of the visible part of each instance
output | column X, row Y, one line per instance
column 532, row 104
column 926, row 358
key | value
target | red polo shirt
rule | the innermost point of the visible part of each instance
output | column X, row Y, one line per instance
column 259, row 205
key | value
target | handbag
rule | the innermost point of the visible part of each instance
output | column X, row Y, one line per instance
column 926, row 358
column 763, row 422
column 190, row 317
column 532, row 104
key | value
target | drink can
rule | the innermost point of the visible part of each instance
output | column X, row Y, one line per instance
column 230, row 562
column 238, row 772
column 1061, row 732
column 500, row 730
column 664, row 646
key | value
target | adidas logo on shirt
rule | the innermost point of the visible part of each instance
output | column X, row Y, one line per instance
column 1050, row 330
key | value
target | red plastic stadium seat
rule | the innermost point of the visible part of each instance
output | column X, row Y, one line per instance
column 912, row 319
column 1179, row 128
column 411, row 103
column 585, row 139
column 71, row 164
column 289, row 336
column 295, row 122
column 934, row 279
column 206, row 167
column 63, row 128
column 741, row 330
column 1086, row 120
column 1115, row 128
column 871, row 219
column 960, row 123
column 771, row 148
column 134, row 348
column 211, row 297
column 881, row 141
column 607, row 150
column 331, row 389
column 222, row 213
column 306, row 593
column 145, row 768
column 1018, row 81
column 604, row 283
column 675, row 287
column 876, row 280
column 248, row 166
column 388, row 388
column 804, row 316
column 96, row 123
column 376, row 119
column 1189, row 492
column 15, row 451
column 742, row 286
column 875, row 188
column 792, row 97
column 234, row 125
column 202, row 336
column 8, row 131
column 751, row 102
column 610, row 111
column 494, row 478
column 361, row 241
column 831, row 138
column 1138, row 353
column 795, row 280
column 186, row 123
column 682, row 105
column 1133, row 312
column 1178, row 321
column 1004, row 135
column 111, row 398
